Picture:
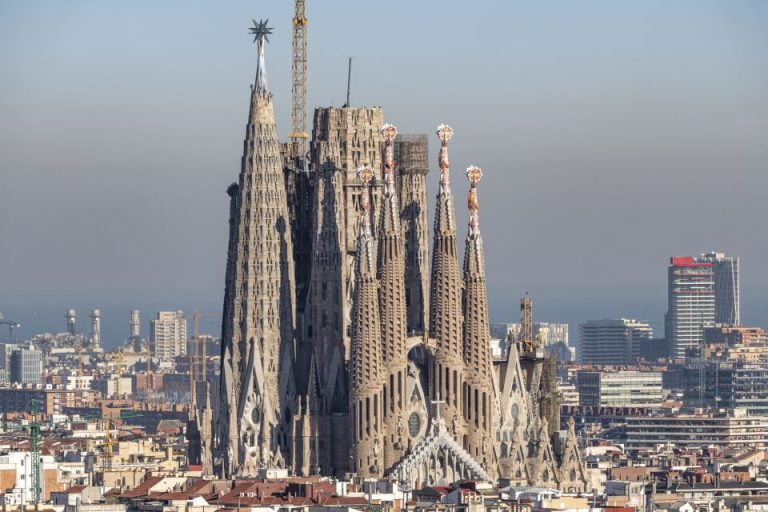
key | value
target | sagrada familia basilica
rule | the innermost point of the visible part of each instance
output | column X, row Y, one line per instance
column 343, row 349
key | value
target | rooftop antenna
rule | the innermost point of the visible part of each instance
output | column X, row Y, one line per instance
column 349, row 81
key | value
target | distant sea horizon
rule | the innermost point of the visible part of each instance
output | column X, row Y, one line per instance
column 45, row 313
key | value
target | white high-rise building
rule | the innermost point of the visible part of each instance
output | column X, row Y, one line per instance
column 168, row 334
column 612, row 341
column 690, row 303
column 726, row 274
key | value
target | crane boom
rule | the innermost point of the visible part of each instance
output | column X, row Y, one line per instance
column 34, row 441
column 298, row 133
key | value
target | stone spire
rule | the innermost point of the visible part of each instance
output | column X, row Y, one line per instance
column 261, row 32
column 366, row 420
column 477, row 352
column 392, row 303
column 411, row 160
column 258, row 327
column 445, row 295
column 572, row 471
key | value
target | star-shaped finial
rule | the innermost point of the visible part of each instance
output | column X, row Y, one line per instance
column 260, row 30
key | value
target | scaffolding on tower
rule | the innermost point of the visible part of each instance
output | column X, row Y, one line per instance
column 526, row 325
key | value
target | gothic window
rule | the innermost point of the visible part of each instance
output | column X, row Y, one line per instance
column 414, row 424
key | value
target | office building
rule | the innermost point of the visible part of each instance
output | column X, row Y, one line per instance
column 726, row 282
column 735, row 335
column 690, row 304
column 6, row 349
column 49, row 401
column 612, row 341
column 620, row 389
column 732, row 429
column 737, row 385
column 168, row 334
column 568, row 394
column 27, row 366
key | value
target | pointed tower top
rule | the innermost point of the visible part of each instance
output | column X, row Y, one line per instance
column 474, row 174
column 444, row 133
column 389, row 132
column 365, row 175
column 261, row 32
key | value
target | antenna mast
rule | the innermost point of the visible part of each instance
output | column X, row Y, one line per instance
column 298, row 133
column 349, row 82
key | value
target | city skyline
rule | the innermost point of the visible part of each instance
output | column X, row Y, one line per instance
column 682, row 108
column 370, row 308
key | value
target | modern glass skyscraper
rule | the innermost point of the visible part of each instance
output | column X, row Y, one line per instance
column 726, row 273
column 690, row 303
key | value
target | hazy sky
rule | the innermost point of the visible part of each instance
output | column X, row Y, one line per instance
column 612, row 134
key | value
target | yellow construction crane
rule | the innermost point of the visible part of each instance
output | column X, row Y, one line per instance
column 298, row 133
column 106, row 454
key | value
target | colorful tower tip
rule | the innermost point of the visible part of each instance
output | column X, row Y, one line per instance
column 474, row 174
column 389, row 132
column 365, row 174
column 444, row 132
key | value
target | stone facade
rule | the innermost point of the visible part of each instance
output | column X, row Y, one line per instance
column 410, row 153
column 257, row 395
column 360, row 385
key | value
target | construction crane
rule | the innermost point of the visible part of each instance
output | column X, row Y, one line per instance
column 106, row 447
column 34, row 441
column 11, row 326
column 298, row 133
column 198, row 357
